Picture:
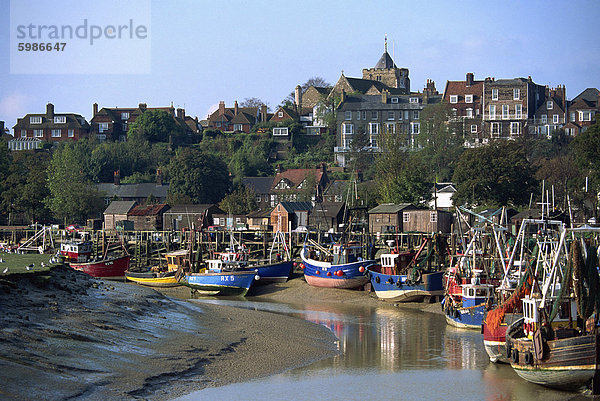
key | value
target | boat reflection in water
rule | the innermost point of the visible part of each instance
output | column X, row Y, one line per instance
column 386, row 353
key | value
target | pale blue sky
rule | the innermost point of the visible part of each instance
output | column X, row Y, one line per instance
column 203, row 52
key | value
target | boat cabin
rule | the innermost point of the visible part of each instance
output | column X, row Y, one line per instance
column 566, row 318
column 476, row 294
column 76, row 251
column 395, row 262
column 348, row 253
column 177, row 258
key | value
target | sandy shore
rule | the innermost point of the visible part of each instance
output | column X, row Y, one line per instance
column 65, row 335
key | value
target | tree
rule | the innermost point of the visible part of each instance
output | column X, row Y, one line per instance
column 156, row 126
column 200, row 176
column 318, row 82
column 586, row 148
column 494, row 175
column 440, row 143
column 240, row 201
column 253, row 102
column 72, row 194
column 562, row 174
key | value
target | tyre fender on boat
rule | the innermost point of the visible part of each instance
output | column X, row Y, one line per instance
column 508, row 350
column 456, row 313
column 515, row 356
column 377, row 279
column 528, row 358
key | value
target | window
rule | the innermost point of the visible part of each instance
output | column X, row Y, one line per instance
column 373, row 141
column 218, row 124
column 400, row 115
column 585, row 115
column 282, row 185
column 469, row 112
column 38, row 133
column 237, row 127
column 216, row 221
column 495, row 130
column 549, row 104
column 124, row 116
column 415, row 114
column 55, row 133
column 23, row 133
column 70, row 133
column 394, row 100
column 468, row 98
column 60, row 119
column 348, row 129
column 415, row 128
column 280, row 114
column 494, row 94
column 518, row 110
column 35, row 120
column 414, row 100
column 572, row 117
column 505, row 113
column 391, row 115
column 433, row 217
column 348, row 115
column 544, row 119
column 390, row 128
column 373, row 128
column 364, row 115
column 473, row 129
column 492, row 111
column 406, row 114
column 102, row 127
column 278, row 131
column 515, row 128
column 358, row 115
column 555, row 118
column 516, row 94
column 453, row 98
column 406, row 217
column 374, row 115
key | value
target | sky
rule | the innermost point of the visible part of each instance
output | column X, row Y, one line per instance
column 202, row 52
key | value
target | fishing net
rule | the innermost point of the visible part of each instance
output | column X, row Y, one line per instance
column 495, row 317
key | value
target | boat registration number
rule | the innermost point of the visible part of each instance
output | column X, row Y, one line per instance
column 226, row 278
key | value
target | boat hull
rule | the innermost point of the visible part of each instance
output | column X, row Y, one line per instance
column 113, row 268
column 224, row 283
column 273, row 272
column 393, row 288
column 324, row 274
column 567, row 363
column 495, row 341
column 151, row 279
column 466, row 318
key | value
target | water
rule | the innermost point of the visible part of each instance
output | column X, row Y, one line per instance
column 386, row 354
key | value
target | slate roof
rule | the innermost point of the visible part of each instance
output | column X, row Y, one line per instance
column 296, row 176
column 72, row 121
column 291, row 207
column 148, row 210
column 260, row 185
column 461, row 89
column 589, row 95
column 373, row 102
column 192, row 209
column 391, row 208
column 363, row 85
column 329, row 209
column 119, row 207
column 260, row 213
column 133, row 190
column 385, row 61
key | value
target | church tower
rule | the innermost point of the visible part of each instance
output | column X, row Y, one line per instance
column 386, row 72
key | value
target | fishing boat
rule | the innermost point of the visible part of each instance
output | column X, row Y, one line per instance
column 76, row 251
column 219, row 278
column 399, row 278
column 278, row 266
column 158, row 276
column 341, row 267
column 113, row 267
column 555, row 343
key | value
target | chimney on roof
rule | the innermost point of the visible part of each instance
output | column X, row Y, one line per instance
column 221, row 108
column 181, row 113
column 117, row 177
column 94, row 109
column 143, row 106
column 384, row 96
column 50, row 110
column 279, row 168
column 470, row 78
column 159, row 177
column 236, row 108
column 263, row 113
column 298, row 97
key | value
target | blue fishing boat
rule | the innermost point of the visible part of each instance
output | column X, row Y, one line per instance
column 468, row 310
column 342, row 267
column 212, row 281
column 278, row 266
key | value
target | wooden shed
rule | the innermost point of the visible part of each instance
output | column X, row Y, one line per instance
column 328, row 216
column 117, row 211
column 181, row 217
column 290, row 214
column 148, row 218
column 427, row 221
column 388, row 217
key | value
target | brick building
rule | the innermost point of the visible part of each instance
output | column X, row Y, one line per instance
column 465, row 99
column 582, row 111
column 51, row 126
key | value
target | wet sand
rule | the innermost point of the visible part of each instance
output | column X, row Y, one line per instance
column 65, row 335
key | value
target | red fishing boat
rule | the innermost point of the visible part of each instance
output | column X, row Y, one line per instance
column 108, row 267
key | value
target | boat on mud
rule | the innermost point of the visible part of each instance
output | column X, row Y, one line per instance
column 402, row 277
column 109, row 267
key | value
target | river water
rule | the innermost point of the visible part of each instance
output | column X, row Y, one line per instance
column 386, row 354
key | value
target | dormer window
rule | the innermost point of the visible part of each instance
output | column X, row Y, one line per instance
column 282, row 185
column 35, row 120
column 280, row 114
column 394, row 100
column 414, row 100
column 453, row 99
column 60, row 119
column 124, row 116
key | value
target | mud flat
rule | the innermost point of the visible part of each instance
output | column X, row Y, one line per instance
column 65, row 335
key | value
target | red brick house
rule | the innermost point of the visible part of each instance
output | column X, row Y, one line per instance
column 465, row 97
column 51, row 126
column 113, row 123
column 295, row 184
column 582, row 111
column 236, row 119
